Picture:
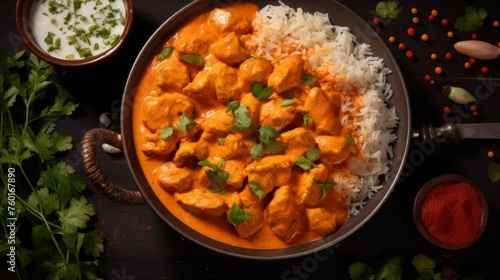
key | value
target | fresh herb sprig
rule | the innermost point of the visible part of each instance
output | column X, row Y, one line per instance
column 267, row 139
column 53, row 202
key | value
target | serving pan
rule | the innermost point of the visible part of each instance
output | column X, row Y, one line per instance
column 339, row 15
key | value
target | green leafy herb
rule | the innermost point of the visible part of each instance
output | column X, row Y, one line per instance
column 494, row 172
column 287, row 102
column 261, row 93
column 58, row 212
column 307, row 79
column 185, row 124
column 390, row 270
column 426, row 267
column 242, row 119
column 218, row 175
column 305, row 118
column 387, row 9
column 307, row 162
column 325, row 187
column 267, row 138
column 350, row 140
column 471, row 20
column 165, row 53
column 237, row 216
column 166, row 132
column 256, row 188
column 193, row 59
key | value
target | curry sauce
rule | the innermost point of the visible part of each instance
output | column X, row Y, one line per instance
column 237, row 146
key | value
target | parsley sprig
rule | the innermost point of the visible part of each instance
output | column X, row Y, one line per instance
column 53, row 201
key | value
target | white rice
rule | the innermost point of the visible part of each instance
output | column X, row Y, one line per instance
column 282, row 31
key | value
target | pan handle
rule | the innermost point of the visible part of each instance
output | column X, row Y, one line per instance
column 94, row 172
column 428, row 132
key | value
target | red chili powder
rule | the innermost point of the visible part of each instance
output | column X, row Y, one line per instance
column 452, row 213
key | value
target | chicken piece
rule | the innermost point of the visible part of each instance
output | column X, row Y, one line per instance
column 250, row 204
column 201, row 87
column 165, row 110
column 197, row 150
column 236, row 169
column 229, row 49
column 254, row 71
column 253, row 107
column 156, row 146
column 321, row 220
column 200, row 201
column 231, row 146
column 172, row 75
column 225, row 22
column 225, row 82
column 334, row 149
column 272, row 114
column 284, row 216
column 297, row 142
column 192, row 39
column 323, row 117
column 174, row 179
column 287, row 75
column 270, row 172
column 309, row 193
column 216, row 126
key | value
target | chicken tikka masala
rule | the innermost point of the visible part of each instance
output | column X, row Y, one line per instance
column 240, row 147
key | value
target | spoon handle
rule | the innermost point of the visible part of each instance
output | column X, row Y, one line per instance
column 477, row 49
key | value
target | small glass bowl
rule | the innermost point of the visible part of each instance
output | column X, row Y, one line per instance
column 419, row 200
column 23, row 11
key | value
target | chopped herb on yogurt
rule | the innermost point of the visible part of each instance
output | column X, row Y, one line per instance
column 77, row 29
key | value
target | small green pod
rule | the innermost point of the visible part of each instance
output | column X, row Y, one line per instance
column 458, row 95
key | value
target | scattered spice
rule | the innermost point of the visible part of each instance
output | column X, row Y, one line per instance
column 452, row 212
column 432, row 82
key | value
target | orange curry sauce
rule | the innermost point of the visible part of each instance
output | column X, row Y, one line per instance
column 172, row 91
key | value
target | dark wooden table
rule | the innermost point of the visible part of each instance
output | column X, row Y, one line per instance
column 140, row 246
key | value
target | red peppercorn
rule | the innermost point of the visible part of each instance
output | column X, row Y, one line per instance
column 474, row 36
column 430, row 17
column 473, row 107
column 484, row 70
column 411, row 31
column 409, row 53
column 427, row 77
column 432, row 82
column 448, row 55
column 401, row 46
column 444, row 21
column 475, row 114
column 446, row 110
column 376, row 20
column 472, row 60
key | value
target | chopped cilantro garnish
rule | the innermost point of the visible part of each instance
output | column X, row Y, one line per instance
column 242, row 119
column 471, row 20
column 256, row 188
column 166, row 132
column 350, row 140
column 185, row 124
column 237, row 216
column 217, row 175
column 287, row 102
column 192, row 59
column 307, row 162
column 165, row 53
column 267, row 138
column 261, row 93
column 307, row 79
column 494, row 172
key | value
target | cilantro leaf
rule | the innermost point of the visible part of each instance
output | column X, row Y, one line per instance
column 387, row 9
column 237, row 216
column 361, row 271
column 391, row 270
column 267, row 138
column 494, row 172
column 63, row 106
column 166, row 132
column 471, row 20
column 256, row 188
column 93, row 243
column 305, row 118
column 185, row 124
column 307, row 79
column 76, row 215
column 325, row 187
column 425, row 266
column 256, row 150
column 242, row 119
column 307, row 162
column 193, row 59
column 350, row 140
column 165, row 53
column 261, row 93
column 218, row 175
column 47, row 202
column 287, row 102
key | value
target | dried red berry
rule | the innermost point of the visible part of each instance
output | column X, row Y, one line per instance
column 411, row 31
column 472, row 60
column 427, row 77
column 448, row 55
column 401, row 46
column 473, row 107
column 446, row 110
column 484, row 70
column 430, row 17
column 409, row 53
column 376, row 20
column 444, row 21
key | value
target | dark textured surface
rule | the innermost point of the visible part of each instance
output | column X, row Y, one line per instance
column 141, row 246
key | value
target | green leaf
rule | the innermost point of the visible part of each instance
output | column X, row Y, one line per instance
column 305, row 118
column 494, row 172
column 325, row 187
column 93, row 243
column 307, row 162
column 313, row 154
column 193, row 59
column 350, row 140
column 165, row 53
column 256, row 188
column 166, row 132
column 76, row 215
column 42, row 199
column 361, row 271
column 387, row 9
column 185, row 124
column 217, row 174
column 287, row 102
column 237, row 216
column 267, row 138
column 256, row 151
column 425, row 266
column 391, row 270
column 261, row 93
column 307, row 79
column 242, row 119
column 471, row 20
column 63, row 106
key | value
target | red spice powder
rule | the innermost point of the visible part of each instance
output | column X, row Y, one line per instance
column 452, row 213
